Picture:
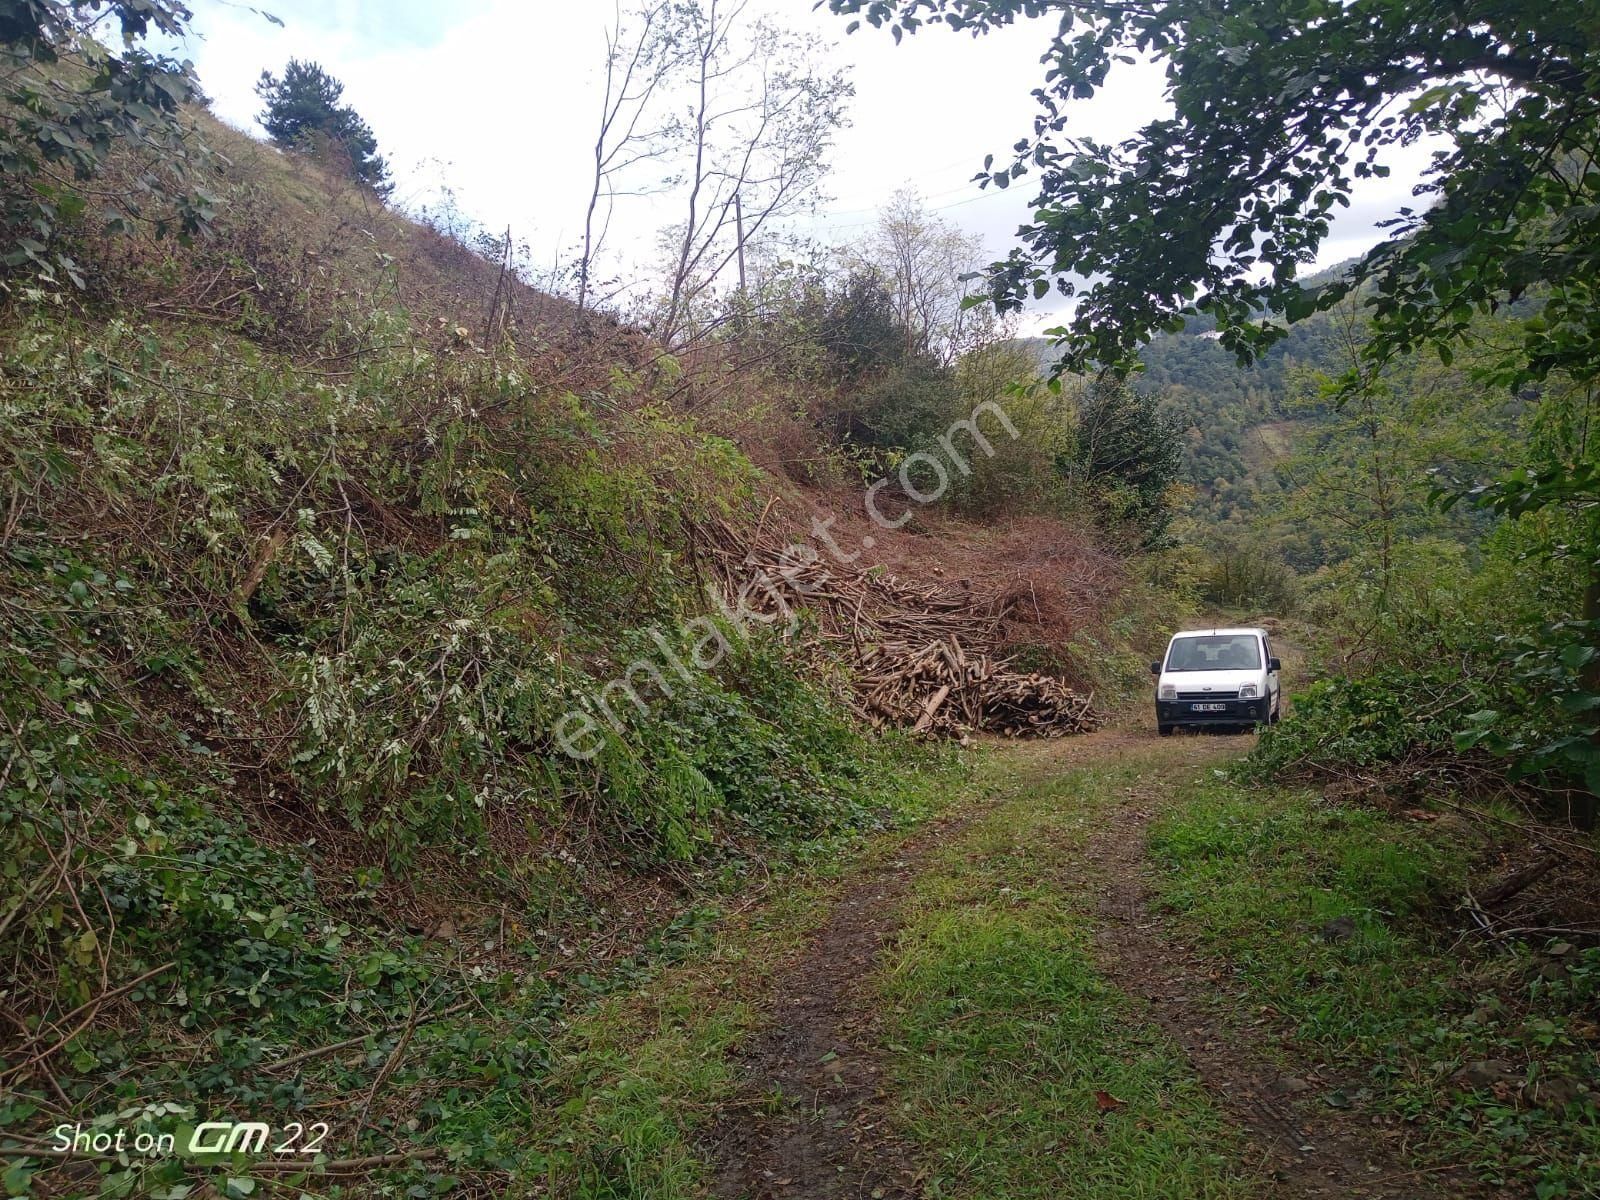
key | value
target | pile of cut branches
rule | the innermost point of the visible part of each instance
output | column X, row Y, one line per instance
column 925, row 656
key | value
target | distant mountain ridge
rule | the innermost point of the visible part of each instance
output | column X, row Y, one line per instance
column 1238, row 422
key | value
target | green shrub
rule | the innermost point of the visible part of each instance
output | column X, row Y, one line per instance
column 1361, row 722
column 281, row 646
column 1249, row 574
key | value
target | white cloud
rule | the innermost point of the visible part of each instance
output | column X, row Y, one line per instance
column 505, row 93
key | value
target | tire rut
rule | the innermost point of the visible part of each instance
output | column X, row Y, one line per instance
column 1328, row 1155
column 812, row 1122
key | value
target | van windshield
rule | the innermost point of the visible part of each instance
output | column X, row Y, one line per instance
column 1214, row 652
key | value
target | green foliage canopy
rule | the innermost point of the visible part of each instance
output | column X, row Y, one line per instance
column 65, row 103
column 1276, row 111
column 1131, row 452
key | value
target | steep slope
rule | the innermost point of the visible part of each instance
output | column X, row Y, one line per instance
column 365, row 712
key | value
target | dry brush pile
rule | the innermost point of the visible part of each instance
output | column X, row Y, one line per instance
column 926, row 656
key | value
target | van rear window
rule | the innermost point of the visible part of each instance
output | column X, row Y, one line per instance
column 1214, row 652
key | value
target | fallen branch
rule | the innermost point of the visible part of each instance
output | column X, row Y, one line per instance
column 258, row 570
column 342, row 1166
column 335, row 1047
column 1518, row 881
column 92, row 1009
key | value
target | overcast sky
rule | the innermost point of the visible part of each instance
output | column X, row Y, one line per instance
column 499, row 97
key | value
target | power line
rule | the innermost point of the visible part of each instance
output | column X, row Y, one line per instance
column 829, row 217
column 950, row 191
column 932, row 196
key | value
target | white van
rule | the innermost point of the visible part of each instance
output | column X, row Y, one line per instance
column 1217, row 677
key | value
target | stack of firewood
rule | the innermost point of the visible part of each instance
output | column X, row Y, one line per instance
column 938, row 687
column 925, row 656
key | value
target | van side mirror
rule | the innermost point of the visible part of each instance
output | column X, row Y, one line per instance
column 1155, row 668
column 1274, row 664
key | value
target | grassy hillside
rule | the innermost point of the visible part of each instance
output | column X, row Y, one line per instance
column 315, row 533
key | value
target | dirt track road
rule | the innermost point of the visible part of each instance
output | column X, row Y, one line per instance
column 817, row 1117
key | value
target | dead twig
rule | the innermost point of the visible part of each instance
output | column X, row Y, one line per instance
column 333, row 1048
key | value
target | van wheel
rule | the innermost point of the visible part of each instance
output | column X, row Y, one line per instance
column 1277, row 711
column 1165, row 730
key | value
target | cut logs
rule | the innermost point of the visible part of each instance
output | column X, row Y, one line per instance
column 925, row 657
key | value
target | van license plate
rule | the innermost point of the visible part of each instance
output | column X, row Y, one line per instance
column 1208, row 708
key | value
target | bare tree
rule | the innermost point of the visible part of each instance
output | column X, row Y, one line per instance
column 922, row 258
column 640, row 61
column 761, row 116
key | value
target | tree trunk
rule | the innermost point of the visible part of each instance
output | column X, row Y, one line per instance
column 1584, row 803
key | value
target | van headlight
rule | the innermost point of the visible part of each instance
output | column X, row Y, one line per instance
column 1247, row 691
column 1167, row 691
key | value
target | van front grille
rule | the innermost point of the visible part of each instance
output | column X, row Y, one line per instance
column 1214, row 695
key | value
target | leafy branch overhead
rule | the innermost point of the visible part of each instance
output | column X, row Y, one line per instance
column 1274, row 114
column 67, row 104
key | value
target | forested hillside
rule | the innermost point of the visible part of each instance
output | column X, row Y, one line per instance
column 1237, row 423
column 676, row 722
column 1259, row 438
column 383, row 657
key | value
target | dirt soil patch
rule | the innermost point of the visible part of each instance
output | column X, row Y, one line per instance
column 812, row 1123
